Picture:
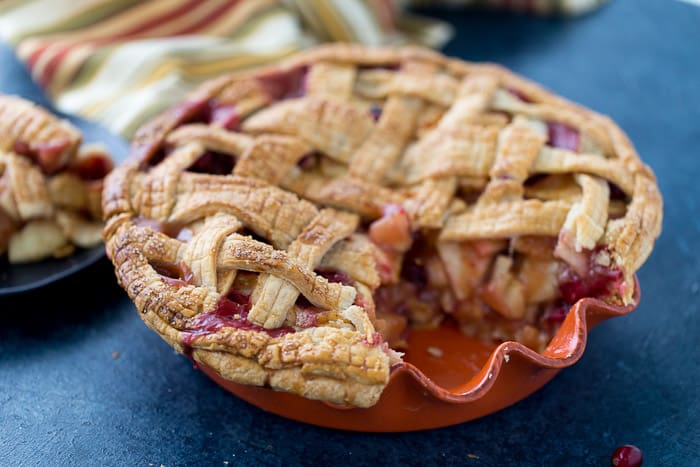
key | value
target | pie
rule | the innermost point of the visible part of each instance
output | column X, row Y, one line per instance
column 50, row 186
column 289, row 226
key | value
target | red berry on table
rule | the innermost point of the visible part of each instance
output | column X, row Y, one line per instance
column 627, row 456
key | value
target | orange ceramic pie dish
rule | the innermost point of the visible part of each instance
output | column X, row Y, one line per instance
column 423, row 239
column 470, row 380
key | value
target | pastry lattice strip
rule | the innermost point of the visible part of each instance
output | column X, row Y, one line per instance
column 213, row 198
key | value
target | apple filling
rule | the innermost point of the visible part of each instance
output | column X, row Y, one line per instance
column 504, row 289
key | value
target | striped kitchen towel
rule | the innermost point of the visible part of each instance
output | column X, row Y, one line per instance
column 120, row 62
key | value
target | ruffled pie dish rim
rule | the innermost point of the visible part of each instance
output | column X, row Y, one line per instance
column 566, row 348
column 413, row 401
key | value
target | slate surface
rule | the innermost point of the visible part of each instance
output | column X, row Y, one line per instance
column 64, row 399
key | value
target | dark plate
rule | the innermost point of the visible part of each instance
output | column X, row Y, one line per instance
column 14, row 79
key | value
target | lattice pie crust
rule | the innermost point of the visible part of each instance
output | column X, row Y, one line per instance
column 284, row 226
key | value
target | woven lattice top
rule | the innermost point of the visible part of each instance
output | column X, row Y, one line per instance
column 254, row 222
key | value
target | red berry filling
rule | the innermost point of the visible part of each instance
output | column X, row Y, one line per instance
column 50, row 155
column 176, row 275
column 599, row 282
column 93, row 166
column 331, row 275
column 376, row 112
column 231, row 312
column 334, row 276
column 212, row 162
column 616, row 193
column 224, row 115
column 519, row 94
column 556, row 313
column 207, row 111
column 560, row 135
column 190, row 112
column 307, row 318
column 171, row 229
column 386, row 66
column 414, row 272
column 308, row 161
column 281, row 85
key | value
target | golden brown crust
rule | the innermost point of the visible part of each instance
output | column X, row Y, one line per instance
column 431, row 105
column 25, row 124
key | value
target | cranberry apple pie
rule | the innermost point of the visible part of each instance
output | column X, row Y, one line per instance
column 288, row 227
column 50, row 187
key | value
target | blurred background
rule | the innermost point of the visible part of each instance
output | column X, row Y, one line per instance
column 119, row 62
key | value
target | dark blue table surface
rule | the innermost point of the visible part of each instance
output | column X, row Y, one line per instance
column 64, row 399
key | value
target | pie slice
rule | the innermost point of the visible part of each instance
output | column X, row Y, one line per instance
column 50, row 187
column 288, row 227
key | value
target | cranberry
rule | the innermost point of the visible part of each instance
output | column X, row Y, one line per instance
column 150, row 154
column 334, row 276
column 534, row 179
column 598, row 282
column 384, row 266
column 22, row 148
column 557, row 314
column 238, row 297
column 228, row 314
column 226, row 116
column 48, row 155
column 212, row 162
column 308, row 161
column 281, row 85
column 191, row 112
column 307, row 318
column 563, row 136
column 303, row 303
column 174, row 274
column 94, row 166
column 627, row 456
column 207, row 111
column 519, row 94
column 616, row 193
column 386, row 66
column 171, row 229
column 414, row 272
column 376, row 112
